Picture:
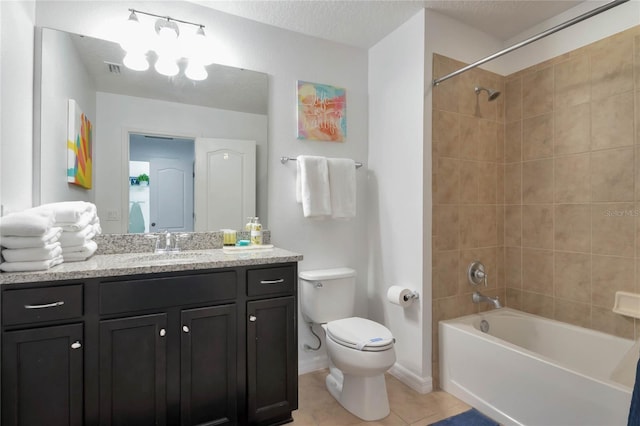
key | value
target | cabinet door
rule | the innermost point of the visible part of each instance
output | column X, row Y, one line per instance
column 272, row 363
column 42, row 376
column 133, row 371
column 208, row 362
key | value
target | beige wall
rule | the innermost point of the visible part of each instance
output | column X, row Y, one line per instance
column 542, row 185
column 572, row 184
column 468, row 159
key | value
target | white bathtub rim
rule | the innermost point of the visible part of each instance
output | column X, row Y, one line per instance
column 469, row 329
column 480, row 404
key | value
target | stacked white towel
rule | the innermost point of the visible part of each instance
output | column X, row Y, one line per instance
column 80, row 224
column 30, row 241
column 326, row 187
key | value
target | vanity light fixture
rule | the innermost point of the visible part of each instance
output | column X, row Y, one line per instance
column 168, row 44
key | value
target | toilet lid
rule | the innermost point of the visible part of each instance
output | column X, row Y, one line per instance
column 361, row 334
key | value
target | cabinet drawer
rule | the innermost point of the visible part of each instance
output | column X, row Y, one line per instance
column 270, row 281
column 137, row 295
column 41, row 304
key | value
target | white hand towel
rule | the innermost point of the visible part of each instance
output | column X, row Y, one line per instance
column 38, row 265
column 47, row 252
column 85, row 251
column 312, row 186
column 69, row 211
column 27, row 242
column 69, row 238
column 86, row 247
column 28, row 223
column 83, row 220
column 342, row 183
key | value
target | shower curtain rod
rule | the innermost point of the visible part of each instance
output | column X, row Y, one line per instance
column 536, row 37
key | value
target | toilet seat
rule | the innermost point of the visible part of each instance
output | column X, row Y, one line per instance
column 360, row 334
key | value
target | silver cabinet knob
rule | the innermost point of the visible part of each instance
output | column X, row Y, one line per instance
column 163, row 332
column 185, row 328
column 76, row 345
column 252, row 318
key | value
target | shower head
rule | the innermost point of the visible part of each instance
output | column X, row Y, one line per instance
column 493, row 94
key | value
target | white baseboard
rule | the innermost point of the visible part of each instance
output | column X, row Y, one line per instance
column 409, row 378
column 313, row 364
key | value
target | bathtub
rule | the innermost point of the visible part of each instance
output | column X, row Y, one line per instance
column 529, row 370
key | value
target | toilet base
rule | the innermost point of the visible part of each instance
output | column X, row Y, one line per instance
column 365, row 397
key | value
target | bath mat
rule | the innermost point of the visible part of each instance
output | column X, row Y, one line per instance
column 472, row 417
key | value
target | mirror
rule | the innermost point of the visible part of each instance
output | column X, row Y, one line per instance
column 231, row 104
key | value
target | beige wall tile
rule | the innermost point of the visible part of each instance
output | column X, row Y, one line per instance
column 537, row 93
column 467, row 99
column 513, row 100
column 487, row 137
column 637, row 117
column 612, row 122
column 611, row 274
column 613, row 229
column 572, row 129
column 537, row 226
column 537, row 139
column 612, row 175
column 603, row 319
column 514, row 298
column 500, row 184
column 445, row 273
column 469, row 182
column 500, row 271
column 572, row 82
column 447, row 181
column 537, row 181
column 572, row 179
column 486, row 226
column 469, row 137
column 513, row 142
column 575, row 313
column 537, row 304
column 500, row 143
column 468, row 226
column 447, row 227
column 572, row 227
column 636, row 61
column 446, row 134
column 612, row 69
column 572, row 276
column 513, row 267
column 487, row 182
column 537, row 271
column 513, row 183
column 513, row 226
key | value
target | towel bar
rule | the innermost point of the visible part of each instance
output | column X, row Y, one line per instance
column 283, row 160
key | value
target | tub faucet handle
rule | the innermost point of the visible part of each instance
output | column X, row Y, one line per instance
column 476, row 274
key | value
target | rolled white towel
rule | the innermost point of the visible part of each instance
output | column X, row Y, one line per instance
column 82, row 222
column 28, row 223
column 78, row 238
column 79, row 253
column 47, row 252
column 38, row 265
column 27, row 242
column 69, row 211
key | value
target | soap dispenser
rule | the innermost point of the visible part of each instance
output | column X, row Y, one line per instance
column 256, row 232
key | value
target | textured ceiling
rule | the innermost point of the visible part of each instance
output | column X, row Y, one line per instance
column 362, row 23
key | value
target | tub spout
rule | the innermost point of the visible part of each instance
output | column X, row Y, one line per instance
column 477, row 298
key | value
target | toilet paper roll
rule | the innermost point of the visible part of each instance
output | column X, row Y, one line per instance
column 399, row 296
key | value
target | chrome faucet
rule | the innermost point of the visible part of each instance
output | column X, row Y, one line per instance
column 477, row 297
column 168, row 246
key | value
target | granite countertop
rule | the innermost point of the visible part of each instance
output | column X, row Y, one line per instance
column 111, row 265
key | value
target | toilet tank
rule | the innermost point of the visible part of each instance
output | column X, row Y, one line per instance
column 327, row 294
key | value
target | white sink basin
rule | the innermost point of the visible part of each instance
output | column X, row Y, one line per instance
column 169, row 258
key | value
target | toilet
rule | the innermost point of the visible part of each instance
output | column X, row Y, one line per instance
column 360, row 350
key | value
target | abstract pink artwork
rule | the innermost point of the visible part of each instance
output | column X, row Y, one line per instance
column 322, row 112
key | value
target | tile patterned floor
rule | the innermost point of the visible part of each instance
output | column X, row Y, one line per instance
column 408, row 408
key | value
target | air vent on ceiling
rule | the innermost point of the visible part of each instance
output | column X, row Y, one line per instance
column 113, row 68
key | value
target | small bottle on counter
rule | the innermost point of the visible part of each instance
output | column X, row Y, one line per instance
column 256, row 232
column 249, row 224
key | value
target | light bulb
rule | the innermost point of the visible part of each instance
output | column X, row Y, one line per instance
column 136, row 61
column 134, row 37
column 167, row 66
column 196, row 71
column 167, row 39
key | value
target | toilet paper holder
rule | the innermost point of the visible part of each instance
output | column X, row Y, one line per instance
column 411, row 296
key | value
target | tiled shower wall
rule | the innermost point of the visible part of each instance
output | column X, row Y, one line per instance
column 572, row 184
column 542, row 185
column 468, row 169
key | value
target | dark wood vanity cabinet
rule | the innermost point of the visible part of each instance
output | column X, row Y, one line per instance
column 210, row 347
